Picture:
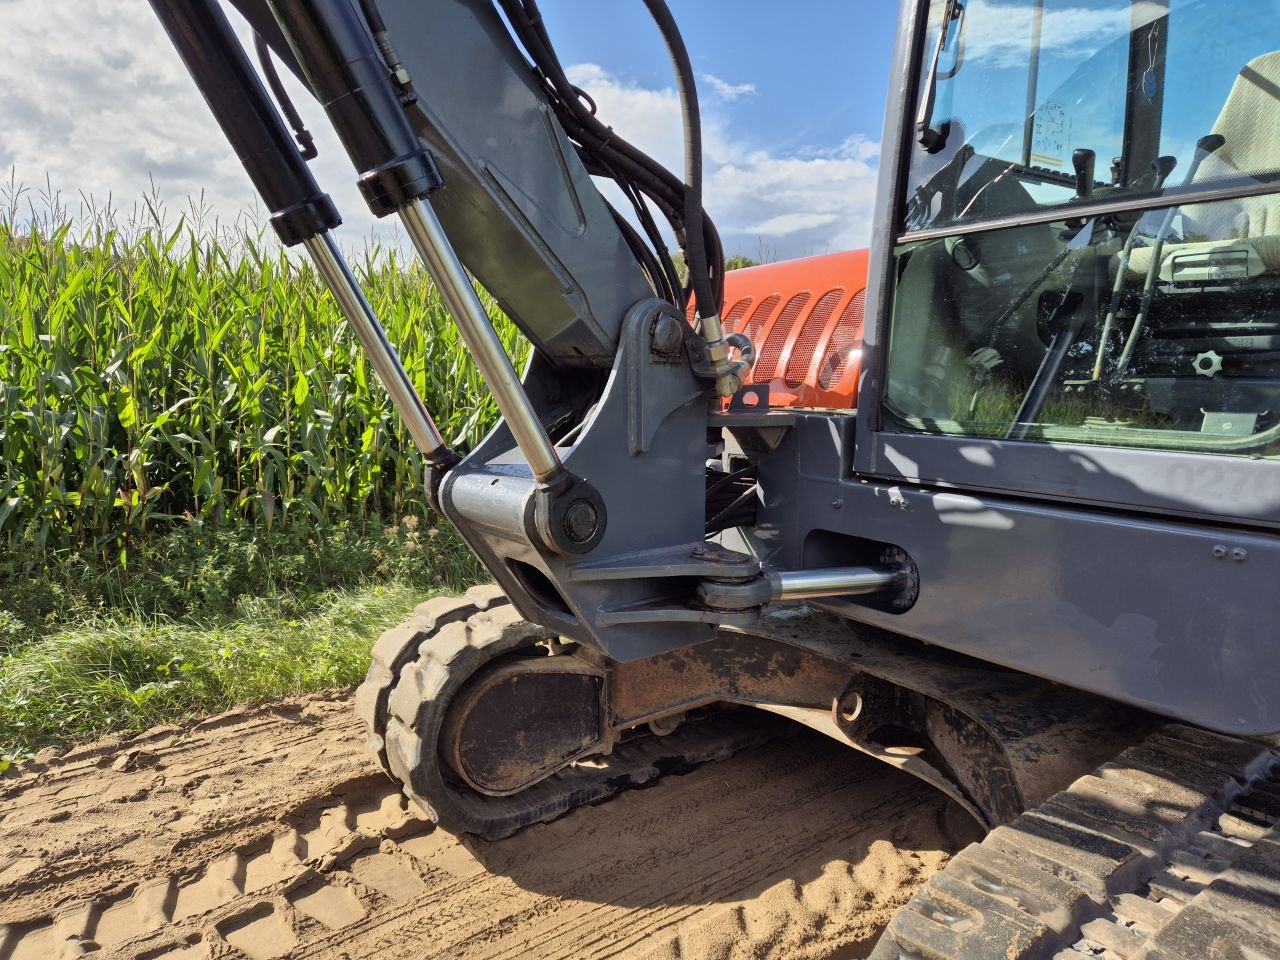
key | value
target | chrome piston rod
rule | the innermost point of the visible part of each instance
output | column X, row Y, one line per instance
column 433, row 246
column 836, row 582
column 887, row 580
column 386, row 362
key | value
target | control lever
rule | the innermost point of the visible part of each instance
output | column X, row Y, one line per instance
column 300, row 212
column 1161, row 167
column 1206, row 146
column 1083, row 161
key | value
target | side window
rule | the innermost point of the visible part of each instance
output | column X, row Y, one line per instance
column 1156, row 326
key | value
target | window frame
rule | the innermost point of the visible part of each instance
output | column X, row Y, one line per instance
column 1182, row 484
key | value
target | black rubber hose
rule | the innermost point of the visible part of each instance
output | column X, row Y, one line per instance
column 699, row 272
column 306, row 142
column 527, row 20
column 605, row 153
column 382, row 37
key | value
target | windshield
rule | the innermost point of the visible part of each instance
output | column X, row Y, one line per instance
column 1030, row 310
column 1064, row 100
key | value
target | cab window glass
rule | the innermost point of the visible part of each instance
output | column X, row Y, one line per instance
column 1100, row 97
column 1148, row 326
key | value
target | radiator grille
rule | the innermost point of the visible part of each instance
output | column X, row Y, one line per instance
column 760, row 315
column 805, row 347
column 736, row 313
column 767, row 364
column 844, row 340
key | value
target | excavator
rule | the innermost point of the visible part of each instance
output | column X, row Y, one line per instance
column 992, row 501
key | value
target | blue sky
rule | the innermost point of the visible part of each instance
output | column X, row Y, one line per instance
column 793, row 96
column 819, row 67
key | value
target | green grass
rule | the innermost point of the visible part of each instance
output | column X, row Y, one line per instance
column 203, row 621
column 110, row 674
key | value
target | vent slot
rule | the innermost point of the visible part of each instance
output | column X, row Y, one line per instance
column 736, row 313
column 767, row 364
column 761, row 316
column 802, row 352
column 845, row 341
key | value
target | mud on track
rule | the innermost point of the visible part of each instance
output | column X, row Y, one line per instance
column 267, row 833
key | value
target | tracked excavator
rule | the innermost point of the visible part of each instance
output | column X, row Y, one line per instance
column 995, row 502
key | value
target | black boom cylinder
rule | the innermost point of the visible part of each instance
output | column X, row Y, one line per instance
column 217, row 62
column 350, row 78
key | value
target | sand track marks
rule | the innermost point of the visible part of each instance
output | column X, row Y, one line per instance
column 267, row 833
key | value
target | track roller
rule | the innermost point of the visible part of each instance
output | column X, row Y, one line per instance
column 483, row 718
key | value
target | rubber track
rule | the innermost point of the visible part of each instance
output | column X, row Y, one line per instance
column 399, row 646
column 421, row 698
column 1169, row 852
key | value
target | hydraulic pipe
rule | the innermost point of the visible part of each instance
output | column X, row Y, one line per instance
column 433, row 246
column 837, row 582
column 300, row 212
column 397, row 174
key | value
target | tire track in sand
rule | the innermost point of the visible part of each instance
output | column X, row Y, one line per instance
column 289, row 843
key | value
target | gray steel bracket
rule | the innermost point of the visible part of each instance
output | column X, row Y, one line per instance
column 644, row 449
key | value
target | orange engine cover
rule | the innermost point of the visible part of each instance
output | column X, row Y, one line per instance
column 805, row 319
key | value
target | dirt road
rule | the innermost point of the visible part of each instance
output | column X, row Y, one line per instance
column 267, row 833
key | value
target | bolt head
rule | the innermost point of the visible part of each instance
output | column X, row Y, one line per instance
column 1219, row 551
column 580, row 521
column 1239, row 554
column 668, row 334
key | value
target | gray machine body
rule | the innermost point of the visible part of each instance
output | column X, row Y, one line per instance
column 1097, row 568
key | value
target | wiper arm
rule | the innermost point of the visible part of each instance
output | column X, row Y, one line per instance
column 929, row 138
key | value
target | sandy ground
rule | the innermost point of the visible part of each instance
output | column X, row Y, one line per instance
column 268, row 833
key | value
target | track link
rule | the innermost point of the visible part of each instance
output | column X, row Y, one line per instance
column 1169, row 852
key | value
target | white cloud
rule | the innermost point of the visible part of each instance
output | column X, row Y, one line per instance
column 726, row 90
column 93, row 98
column 999, row 34
column 789, row 203
column 95, row 102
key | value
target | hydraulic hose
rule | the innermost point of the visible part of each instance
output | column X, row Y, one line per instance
column 704, row 292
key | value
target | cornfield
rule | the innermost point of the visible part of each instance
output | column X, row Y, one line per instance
column 154, row 374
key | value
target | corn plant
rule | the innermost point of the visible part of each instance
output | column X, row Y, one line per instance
column 159, row 373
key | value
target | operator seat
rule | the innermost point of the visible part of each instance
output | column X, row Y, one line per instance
column 1249, row 227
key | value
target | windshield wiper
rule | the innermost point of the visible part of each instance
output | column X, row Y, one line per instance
column 929, row 138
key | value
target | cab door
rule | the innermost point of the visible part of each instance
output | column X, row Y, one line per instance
column 1075, row 287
